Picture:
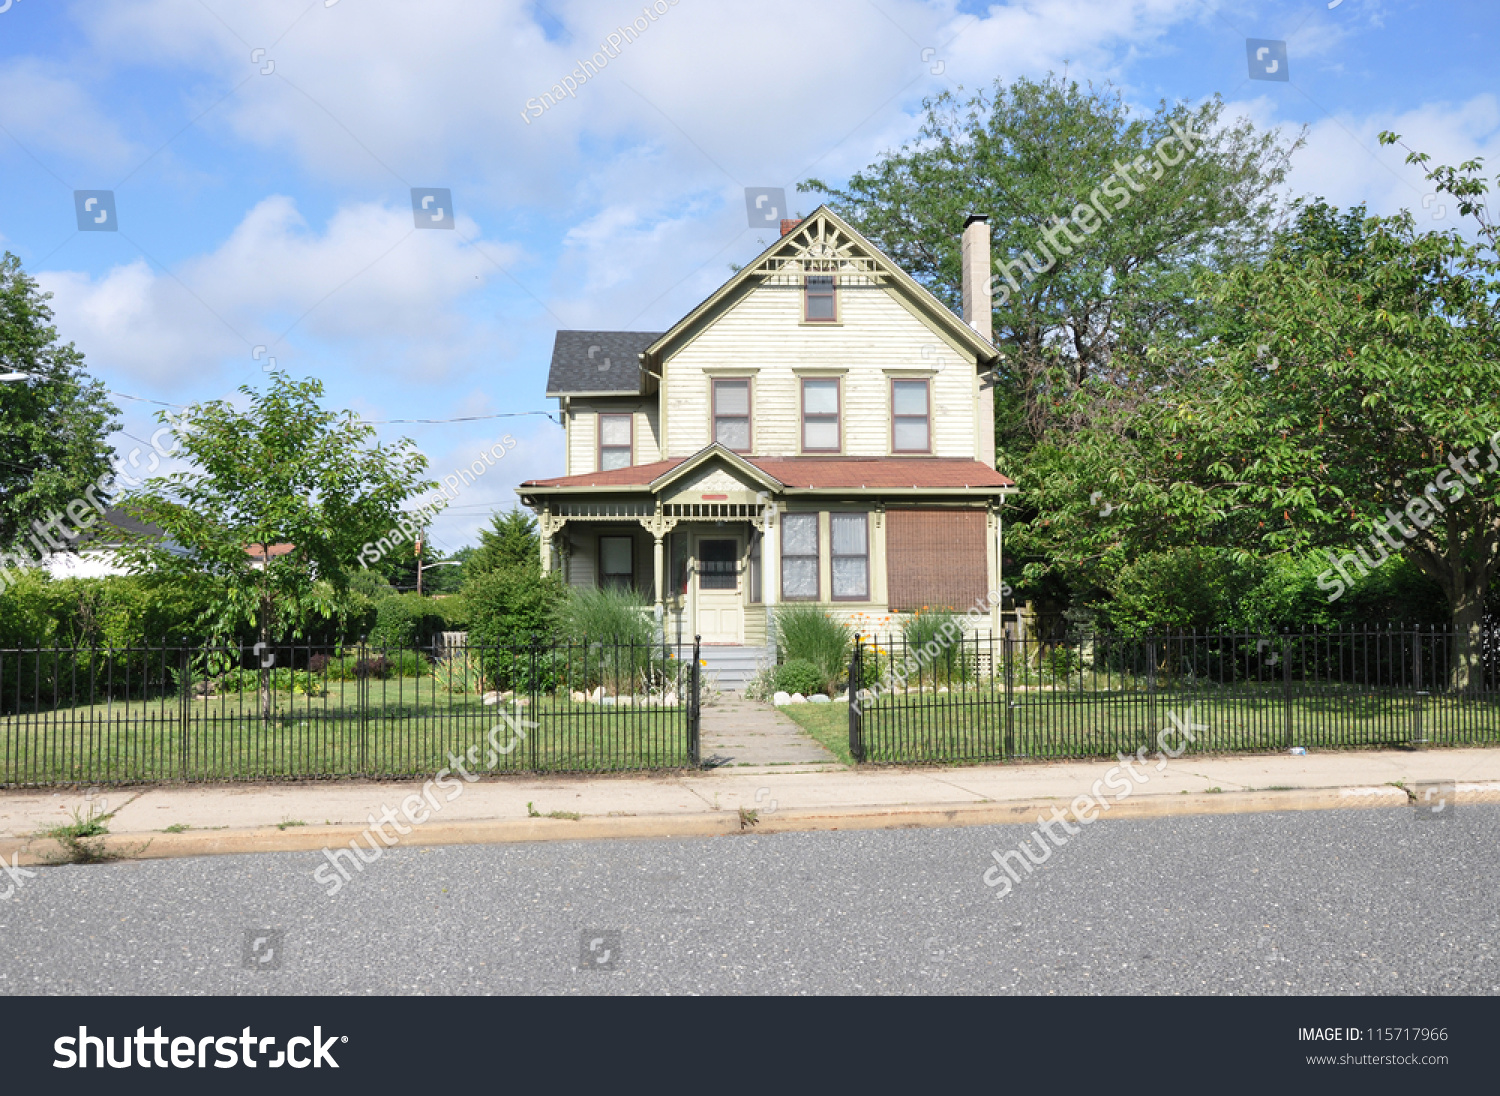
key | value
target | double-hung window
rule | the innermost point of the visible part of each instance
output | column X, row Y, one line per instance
column 617, row 562
column 799, row 557
column 615, row 441
column 820, row 415
column 911, row 418
column 731, row 412
column 849, row 553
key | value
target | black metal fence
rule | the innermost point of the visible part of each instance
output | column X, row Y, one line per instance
column 284, row 711
column 973, row 698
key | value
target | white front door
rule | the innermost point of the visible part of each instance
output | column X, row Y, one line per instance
column 721, row 609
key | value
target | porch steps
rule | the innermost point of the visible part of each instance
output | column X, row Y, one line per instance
column 732, row 667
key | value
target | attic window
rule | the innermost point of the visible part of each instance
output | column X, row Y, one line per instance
column 819, row 304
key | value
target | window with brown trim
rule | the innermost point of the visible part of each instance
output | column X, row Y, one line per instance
column 755, row 564
column 616, row 438
column 819, row 300
column 731, row 412
column 617, row 562
column 911, row 416
column 849, row 556
column 935, row 558
column 799, row 557
column 820, row 415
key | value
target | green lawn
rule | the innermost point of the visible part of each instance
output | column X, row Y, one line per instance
column 828, row 723
column 401, row 727
column 972, row 726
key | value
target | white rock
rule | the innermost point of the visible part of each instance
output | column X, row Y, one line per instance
column 670, row 700
column 942, row 690
column 597, row 695
column 625, row 701
column 578, row 697
column 841, row 698
column 798, row 698
column 607, row 701
column 521, row 702
column 492, row 698
column 781, row 698
column 818, row 698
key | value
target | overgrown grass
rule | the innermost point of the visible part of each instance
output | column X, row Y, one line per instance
column 806, row 633
column 615, row 624
column 935, row 638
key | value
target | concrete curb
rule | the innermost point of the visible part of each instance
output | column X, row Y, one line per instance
column 156, row 846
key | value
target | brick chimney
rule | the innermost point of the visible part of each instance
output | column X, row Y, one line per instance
column 787, row 226
column 974, row 252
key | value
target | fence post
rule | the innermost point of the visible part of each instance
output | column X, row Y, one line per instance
column 1286, row 687
column 856, row 702
column 1152, row 724
column 362, row 701
column 185, row 709
column 1007, row 653
column 1418, row 736
column 695, row 682
column 534, row 694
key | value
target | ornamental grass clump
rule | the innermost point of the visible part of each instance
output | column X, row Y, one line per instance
column 806, row 633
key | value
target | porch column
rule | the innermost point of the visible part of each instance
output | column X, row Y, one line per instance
column 770, row 573
column 997, row 571
column 661, row 582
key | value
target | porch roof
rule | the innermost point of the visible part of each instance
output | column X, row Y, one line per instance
column 815, row 473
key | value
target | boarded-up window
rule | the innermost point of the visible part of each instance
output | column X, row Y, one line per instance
column 935, row 558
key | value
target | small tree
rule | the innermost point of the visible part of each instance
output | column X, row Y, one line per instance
column 510, row 541
column 55, row 425
column 284, row 475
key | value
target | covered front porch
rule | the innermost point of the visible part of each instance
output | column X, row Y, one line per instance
column 716, row 542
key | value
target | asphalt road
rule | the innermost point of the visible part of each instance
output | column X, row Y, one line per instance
column 1357, row 901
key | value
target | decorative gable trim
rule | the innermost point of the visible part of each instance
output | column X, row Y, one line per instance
column 824, row 243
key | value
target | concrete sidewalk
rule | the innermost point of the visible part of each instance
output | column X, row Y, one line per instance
column 277, row 817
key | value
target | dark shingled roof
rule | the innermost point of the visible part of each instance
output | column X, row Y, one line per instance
column 604, row 362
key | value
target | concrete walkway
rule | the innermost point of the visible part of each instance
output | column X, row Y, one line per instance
column 282, row 817
column 749, row 733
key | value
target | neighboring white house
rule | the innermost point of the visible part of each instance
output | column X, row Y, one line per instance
column 820, row 429
column 95, row 553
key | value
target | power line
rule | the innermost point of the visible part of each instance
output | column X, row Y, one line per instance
column 377, row 422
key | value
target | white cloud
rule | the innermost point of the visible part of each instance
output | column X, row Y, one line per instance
column 368, row 279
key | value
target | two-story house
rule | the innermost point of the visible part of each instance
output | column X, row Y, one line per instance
column 820, row 429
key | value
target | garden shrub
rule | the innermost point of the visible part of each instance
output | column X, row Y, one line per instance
column 800, row 676
column 806, row 633
column 940, row 630
column 407, row 621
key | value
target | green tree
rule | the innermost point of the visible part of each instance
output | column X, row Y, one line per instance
column 286, row 473
column 55, row 425
column 510, row 541
column 1029, row 155
column 1346, row 393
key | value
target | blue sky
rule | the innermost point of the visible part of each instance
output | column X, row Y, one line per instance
column 266, row 202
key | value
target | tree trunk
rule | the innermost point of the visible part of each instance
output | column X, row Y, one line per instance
column 1467, row 673
column 265, row 671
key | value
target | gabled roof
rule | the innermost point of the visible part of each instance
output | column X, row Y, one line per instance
column 816, row 226
column 598, row 363
column 781, row 474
